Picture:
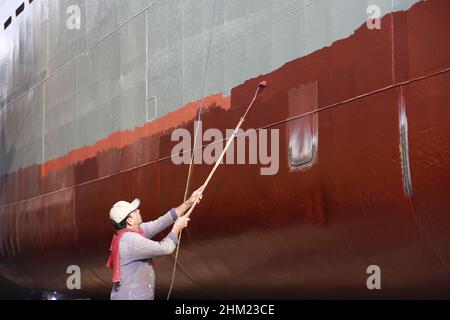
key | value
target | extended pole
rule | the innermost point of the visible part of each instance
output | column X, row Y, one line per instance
column 261, row 86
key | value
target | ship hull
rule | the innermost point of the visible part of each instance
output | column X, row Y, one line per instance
column 374, row 192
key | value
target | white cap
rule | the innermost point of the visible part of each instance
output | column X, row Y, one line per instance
column 123, row 208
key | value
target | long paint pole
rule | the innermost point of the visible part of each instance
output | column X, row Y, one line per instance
column 261, row 86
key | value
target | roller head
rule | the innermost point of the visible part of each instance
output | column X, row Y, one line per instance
column 263, row 84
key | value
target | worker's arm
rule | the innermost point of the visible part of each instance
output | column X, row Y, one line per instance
column 182, row 208
column 154, row 227
column 142, row 248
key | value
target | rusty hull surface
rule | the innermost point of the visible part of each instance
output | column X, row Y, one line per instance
column 306, row 232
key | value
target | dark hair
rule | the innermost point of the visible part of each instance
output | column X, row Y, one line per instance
column 121, row 225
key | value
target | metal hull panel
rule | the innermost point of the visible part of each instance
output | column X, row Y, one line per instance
column 373, row 194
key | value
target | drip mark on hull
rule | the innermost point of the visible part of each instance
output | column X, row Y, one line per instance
column 404, row 150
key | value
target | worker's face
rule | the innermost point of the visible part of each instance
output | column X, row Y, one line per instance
column 135, row 218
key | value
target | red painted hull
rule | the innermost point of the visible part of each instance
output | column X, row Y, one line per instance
column 308, row 233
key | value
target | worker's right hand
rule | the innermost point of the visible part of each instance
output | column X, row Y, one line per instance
column 195, row 196
column 180, row 224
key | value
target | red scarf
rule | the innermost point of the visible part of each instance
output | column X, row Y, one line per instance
column 114, row 259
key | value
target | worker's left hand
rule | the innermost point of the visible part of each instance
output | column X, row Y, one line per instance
column 197, row 194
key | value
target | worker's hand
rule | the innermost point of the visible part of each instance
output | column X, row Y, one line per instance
column 196, row 195
column 180, row 224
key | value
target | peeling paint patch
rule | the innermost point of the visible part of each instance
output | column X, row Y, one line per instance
column 303, row 132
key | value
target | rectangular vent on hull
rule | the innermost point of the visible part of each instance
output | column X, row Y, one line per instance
column 20, row 9
column 7, row 23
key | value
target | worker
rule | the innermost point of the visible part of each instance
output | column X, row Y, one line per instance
column 132, row 250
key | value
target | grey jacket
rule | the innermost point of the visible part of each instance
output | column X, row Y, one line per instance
column 135, row 252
